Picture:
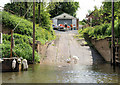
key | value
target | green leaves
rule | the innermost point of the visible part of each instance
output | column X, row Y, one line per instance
column 22, row 47
column 102, row 31
column 58, row 8
column 22, row 37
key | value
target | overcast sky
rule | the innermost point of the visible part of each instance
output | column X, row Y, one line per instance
column 85, row 5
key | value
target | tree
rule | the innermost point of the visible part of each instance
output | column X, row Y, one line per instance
column 107, row 9
column 57, row 8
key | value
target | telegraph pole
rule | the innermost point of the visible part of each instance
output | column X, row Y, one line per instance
column 11, row 43
column 113, row 36
column 33, row 31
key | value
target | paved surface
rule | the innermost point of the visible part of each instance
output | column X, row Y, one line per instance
column 66, row 46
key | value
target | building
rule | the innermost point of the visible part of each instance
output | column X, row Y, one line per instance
column 93, row 19
column 66, row 18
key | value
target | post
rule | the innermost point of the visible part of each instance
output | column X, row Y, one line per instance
column 113, row 37
column 33, row 30
column 11, row 43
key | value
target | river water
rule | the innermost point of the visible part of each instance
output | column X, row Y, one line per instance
column 102, row 73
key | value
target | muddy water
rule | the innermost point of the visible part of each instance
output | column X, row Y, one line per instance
column 102, row 73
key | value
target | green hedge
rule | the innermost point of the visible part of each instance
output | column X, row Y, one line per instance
column 26, row 27
column 101, row 31
column 22, row 47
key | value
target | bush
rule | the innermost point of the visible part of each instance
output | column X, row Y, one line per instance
column 25, row 50
column 10, row 21
column 25, row 27
column 22, row 47
column 102, row 31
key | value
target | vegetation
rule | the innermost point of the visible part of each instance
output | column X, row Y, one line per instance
column 101, row 22
column 101, row 31
column 25, row 27
column 22, row 47
column 57, row 8
column 42, row 15
column 22, row 36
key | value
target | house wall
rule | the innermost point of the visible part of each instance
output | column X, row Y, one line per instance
column 55, row 21
column 74, row 22
column 66, row 16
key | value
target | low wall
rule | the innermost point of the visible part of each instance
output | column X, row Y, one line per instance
column 102, row 46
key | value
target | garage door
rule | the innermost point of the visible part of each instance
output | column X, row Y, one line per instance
column 63, row 21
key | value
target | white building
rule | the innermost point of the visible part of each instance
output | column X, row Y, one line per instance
column 66, row 18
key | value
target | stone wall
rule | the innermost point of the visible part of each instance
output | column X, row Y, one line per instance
column 102, row 47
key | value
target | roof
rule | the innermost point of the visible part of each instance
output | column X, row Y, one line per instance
column 90, row 13
column 64, row 16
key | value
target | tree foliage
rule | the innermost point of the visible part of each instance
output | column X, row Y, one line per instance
column 20, row 8
column 57, row 8
column 22, row 36
column 104, row 14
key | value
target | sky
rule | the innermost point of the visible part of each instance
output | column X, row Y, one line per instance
column 85, row 5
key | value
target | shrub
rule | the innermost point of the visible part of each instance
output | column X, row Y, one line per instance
column 25, row 50
column 25, row 27
column 22, row 47
column 102, row 31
